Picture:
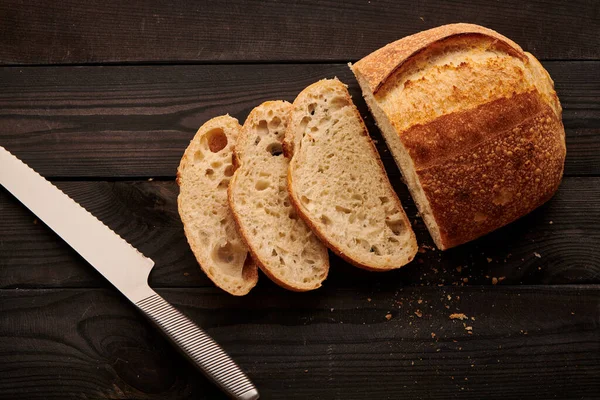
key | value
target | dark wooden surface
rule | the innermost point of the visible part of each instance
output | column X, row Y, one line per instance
column 526, row 342
column 99, row 31
column 103, row 97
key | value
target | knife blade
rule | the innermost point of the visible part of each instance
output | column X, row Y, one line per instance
column 124, row 267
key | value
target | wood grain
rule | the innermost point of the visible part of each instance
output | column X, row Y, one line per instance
column 136, row 121
column 526, row 342
column 241, row 30
column 556, row 244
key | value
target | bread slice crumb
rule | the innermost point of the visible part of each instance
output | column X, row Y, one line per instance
column 338, row 184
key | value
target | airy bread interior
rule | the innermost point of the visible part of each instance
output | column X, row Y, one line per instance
column 338, row 183
column 281, row 243
column 404, row 162
column 203, row 176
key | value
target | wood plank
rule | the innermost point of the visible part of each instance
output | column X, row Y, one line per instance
column 564, row 234
column 525, row 342
column 137, row 121
column 40, row 32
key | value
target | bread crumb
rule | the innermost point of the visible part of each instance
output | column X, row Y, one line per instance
column 432, row 335
column 465, row 280
column 422, row 19
column 489, row 260
column 460, row 316
column 305, row 371
column 459, row 269
column 150, row 179
column 538, row 255
column 550, row 222
column 468, row 328
column 449, row 297
column 186, row 274
column 500, row 279
column 419, row 301
column 369, row 299
column 331, row 309
column 418, row 313
column 494, row 281
column 35, row 221
column 388, row 316
column 447, row 307
column 472, row 318
column 422, row 250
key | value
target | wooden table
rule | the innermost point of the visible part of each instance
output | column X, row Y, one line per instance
column 103, row 97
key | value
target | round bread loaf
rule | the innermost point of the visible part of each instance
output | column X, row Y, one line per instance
column 474, row 124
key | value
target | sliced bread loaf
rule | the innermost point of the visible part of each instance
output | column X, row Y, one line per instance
column 474, row 124
column 338, row 184
column 283, row 246
column 203, row 177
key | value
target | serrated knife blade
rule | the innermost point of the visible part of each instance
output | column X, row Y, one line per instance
column 123, row 266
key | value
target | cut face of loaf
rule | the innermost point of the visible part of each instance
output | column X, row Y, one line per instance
column 203, row 177
column 283, row 246
column 338, row 184
column 474, row 124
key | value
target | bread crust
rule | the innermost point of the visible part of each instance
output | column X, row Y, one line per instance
column 479, row 168
column 378, row 66
column 288, row 151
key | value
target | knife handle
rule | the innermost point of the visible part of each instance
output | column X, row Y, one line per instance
column 200, row 348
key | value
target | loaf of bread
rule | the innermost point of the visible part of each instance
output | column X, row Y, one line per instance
column 472, row 121
column 282, row 245
column 203, row 177
column 338, row 184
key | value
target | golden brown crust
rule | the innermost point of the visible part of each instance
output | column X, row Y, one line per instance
column 382, row 63
column 498, row 180
column 480, row 124
column 453, row 134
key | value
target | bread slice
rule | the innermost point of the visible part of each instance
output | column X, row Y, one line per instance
column 203, row 176
column 472, row 121
column 283, row 246
column 338, row 184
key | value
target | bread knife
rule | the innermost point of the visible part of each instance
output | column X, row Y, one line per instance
column 125, row 267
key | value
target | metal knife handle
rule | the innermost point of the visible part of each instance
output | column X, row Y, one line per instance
column 204, row 352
